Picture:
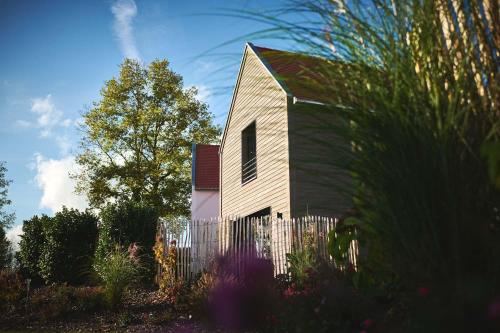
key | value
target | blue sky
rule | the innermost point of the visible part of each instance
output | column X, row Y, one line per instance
column 56, row 56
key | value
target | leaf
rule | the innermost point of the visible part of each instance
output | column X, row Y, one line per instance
column 491, row 151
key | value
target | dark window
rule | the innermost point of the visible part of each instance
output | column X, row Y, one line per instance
column 248, row 154
column 261, row 213
column 243, row 235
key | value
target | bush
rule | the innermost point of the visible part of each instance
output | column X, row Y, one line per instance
column 12, row 289
column 421, row 114
column 118, row 270
column 126, row 223
column 60, row 248
column 70, row 240
column 326, row 301
column 241, row 293
column 303, row 261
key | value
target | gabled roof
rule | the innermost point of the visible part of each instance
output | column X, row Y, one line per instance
column 301, row 76
column 205, row 169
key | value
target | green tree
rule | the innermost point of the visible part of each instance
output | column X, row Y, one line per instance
column 5, row 250
column 137, row 139
column 31, row 246
column 6, row 219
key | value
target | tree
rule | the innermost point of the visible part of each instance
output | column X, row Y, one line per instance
column 31, row 246
column 137, row 139
column 6, row 219
column 5, row 250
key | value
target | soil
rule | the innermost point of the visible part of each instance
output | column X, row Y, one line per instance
column 142, row 311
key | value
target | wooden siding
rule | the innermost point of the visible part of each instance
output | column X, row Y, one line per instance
column 318, row 186
column 259, row 98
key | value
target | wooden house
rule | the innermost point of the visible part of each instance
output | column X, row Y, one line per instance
column 279, row 153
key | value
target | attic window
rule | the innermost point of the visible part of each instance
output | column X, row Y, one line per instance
column 248, row 154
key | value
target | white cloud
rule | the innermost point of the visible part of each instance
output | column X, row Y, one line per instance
column 124, row 12
column 13, row 235
column 50, row 122
column 57, row 187
column 48, row 116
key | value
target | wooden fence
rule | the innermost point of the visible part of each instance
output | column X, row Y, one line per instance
column 201, row 241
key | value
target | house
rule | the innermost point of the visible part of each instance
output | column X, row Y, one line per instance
column 278, row 157
column 205, row 181
column 279, row 152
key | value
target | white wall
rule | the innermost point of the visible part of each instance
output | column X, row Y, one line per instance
column 204, row 204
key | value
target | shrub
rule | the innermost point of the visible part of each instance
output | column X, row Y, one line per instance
column 167, row 282
column 325, row 301
column 118, row 271
column 241, row 294
column 70, row 239
column 12, row 288
column 199, row 293
column 302, row 261
column 125, row 223
column 420, row 114
column 60, row 248
column 31, row 247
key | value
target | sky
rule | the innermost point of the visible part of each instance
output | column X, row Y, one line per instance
column 56, row 56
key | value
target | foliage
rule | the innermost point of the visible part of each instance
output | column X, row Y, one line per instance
column 5, row 250
column 127, row 223
column 69, row 244
column 60, row 248
column 138, row 138
column 415, row 86
column 118, row 271
column 6, row 219
column 12, row 288
column 491, row 151
column 167, row 263
column 31, row 246
column 302, row 261
column 60, row 300
column 242, row 293
column 325, row 302
column 199, row 293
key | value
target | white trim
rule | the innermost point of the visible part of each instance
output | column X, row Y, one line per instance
column 308, row 101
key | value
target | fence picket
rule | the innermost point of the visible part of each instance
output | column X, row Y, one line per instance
column 203, row 240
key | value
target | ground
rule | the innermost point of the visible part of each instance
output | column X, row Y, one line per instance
column 142, row 311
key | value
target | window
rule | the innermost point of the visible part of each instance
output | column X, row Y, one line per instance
column 248, row 154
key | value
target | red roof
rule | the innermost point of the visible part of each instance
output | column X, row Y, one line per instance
column 206, row 167
column 301, row 75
